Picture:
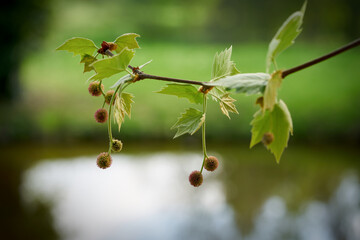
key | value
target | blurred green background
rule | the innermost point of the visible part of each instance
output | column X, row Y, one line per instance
column 45, row 93
column 47, row 112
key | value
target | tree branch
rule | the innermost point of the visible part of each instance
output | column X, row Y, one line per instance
column 320, row 59
column 285, row 73
column 142, row 76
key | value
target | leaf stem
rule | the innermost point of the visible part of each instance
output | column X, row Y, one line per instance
column 102, row 92
column 322, row 58
column 109, row 119
column 203, row 134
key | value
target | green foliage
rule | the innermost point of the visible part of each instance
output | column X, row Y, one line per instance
column 285, row 36
column 123, row 107
column 79, row 46
column 278, row 122
column 87, row 60
column 189, row 122
column 107, row 67
column 223, row 65
column 250, row 83
column 127, row 40
column 187, row 91
column 271, row 89
column 272, row 124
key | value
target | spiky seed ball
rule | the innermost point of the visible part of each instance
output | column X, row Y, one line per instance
column 104, row 160
column 101, row 115
column 109, row 95
column 116, row 145
column 268, row 138
column 211, row 163
column 94, row 88
column 196, row 178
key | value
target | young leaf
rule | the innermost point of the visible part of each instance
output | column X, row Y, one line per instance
column 278, row 122
column 271, row 89
column 250, row 83
column 285, row 36
column 217, row 92
column 227, row 105
column 126, row 40
column 123, row 107
column 87, row 60
column 107, row 67
column 183, row 91
column 189, row 122
column 78, row 46
column 222, row 65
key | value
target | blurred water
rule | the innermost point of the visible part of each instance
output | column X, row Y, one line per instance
column 149, row 197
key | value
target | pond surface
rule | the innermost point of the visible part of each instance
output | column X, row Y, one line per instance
column 313, row 194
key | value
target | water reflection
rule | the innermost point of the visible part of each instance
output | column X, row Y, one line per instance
column 337, row 219
column 149, row 197
column 139, row 197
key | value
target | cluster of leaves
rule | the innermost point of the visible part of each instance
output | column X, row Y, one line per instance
column 271, row 122
column 273, row 117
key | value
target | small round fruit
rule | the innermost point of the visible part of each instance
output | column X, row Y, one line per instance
column 104, row 160
column 94, row 88
column 268, row 138
column 196, row 178
column 109, row 95
column 116, row 145
column 211, row 163
column 101, row 115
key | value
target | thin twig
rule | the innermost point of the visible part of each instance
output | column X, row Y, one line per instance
column 142, row 76
column 285, row 73
column 320, row 59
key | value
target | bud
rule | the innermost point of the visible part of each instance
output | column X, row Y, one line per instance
column 196, row 178
column 109, row 95
column 116, row 145
column 112, row 46
column 94, row 88
column 211, row 163
column 205, row 89
column 268, row 138
column 101, row 115
column 105, row 45
column 104, row 160
column 260, row 101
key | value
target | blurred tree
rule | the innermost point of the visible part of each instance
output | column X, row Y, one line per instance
column 23, row 24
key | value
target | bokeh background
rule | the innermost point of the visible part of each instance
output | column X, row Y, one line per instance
column 49, row 139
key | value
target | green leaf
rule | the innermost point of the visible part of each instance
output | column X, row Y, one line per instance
column 285, row 36
column 227, row 105
column 261, row 124
column 107, row 67
column 122, row 108
column 271, row 90
column 189, row 122
column 79, row 46
column 127, row 40
column 250, row 83
column 127, row 77
column 222, row 65
column 278, row 122
column 187, row 91
column 88, row 60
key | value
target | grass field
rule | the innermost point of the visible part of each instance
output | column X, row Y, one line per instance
column 323, row 100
